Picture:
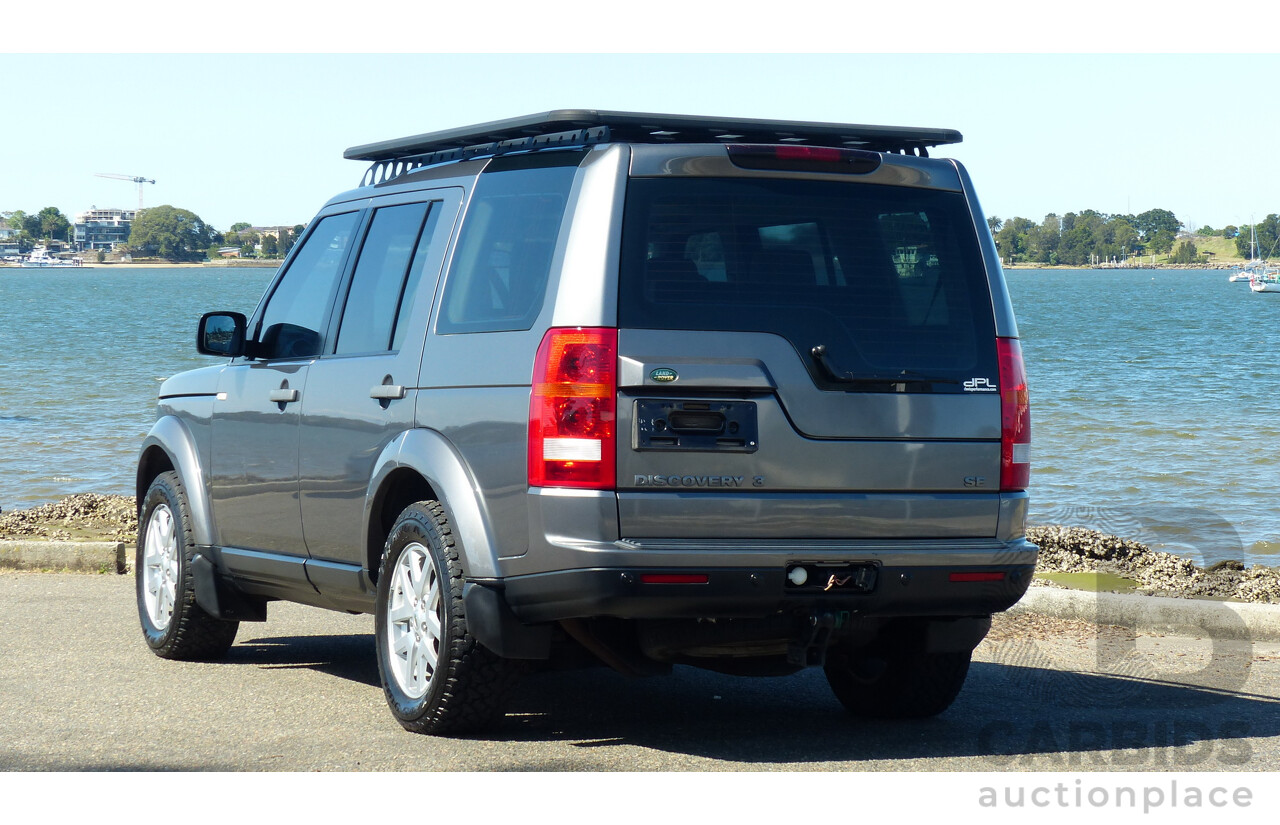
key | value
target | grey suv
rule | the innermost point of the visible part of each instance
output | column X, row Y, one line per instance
column 606, row 387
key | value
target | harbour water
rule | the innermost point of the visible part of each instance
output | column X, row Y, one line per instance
column 1155, row 393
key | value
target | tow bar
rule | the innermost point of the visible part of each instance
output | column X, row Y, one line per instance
column 809, row 647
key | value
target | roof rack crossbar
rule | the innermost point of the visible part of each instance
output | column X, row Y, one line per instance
column 382, row 171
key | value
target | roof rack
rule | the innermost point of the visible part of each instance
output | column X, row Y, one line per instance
column 585, row 127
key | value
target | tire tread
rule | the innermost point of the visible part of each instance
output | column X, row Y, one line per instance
column 193, row 635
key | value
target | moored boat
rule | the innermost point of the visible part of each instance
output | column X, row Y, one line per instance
column 1268, row 282
column 41, row 258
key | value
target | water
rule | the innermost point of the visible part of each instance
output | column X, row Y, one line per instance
column 1155, row 394
column 82, row 354
column 1156, row 405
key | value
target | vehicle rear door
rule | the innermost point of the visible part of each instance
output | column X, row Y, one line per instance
column 804, row 358
column 362, row 393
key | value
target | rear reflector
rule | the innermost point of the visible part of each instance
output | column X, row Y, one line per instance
column 980, row 576
column 674, row 578
column 572, row 410
column 1015, row 417
column 804, row 158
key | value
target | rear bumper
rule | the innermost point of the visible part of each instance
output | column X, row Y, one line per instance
column 897, row 590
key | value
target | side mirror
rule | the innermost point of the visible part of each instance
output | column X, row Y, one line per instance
column 221, row 333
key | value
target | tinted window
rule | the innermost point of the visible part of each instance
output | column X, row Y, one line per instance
column 503, row 259
column 296, row 310
column 885, row 278
column 414, row 281
column 379, row 279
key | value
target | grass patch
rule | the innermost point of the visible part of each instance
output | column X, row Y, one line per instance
column 1092, row 582
column 1224, row 249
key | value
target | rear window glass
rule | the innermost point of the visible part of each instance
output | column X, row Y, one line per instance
column 886, row 279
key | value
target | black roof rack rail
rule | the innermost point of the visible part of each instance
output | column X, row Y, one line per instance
column 584, row 127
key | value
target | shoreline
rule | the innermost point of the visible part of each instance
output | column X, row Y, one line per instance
column 1223, row 266
column 274, row 264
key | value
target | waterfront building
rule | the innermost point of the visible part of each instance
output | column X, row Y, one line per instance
column 103, row 228
column 274, row 231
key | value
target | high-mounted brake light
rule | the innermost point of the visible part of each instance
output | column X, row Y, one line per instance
column 1015, row 417
column 572, row 418
column 791, row 158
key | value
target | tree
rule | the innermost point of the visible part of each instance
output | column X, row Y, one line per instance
column 1156, row 220
column 169, row 232
column 1207, row 231
column 1230, row 231
column 994, row 223
column 237, row 227
column 1011, row 239
column 1185, row 254
column 1268, row 231
column 1161, row 242
column 270, row 247
column 53, row 224
column 1124, row 236
column 23, row 222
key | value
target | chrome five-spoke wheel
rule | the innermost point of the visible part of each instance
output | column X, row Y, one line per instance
column 414, row 621
column 160, row 567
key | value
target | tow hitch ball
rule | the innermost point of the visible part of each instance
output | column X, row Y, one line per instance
column 809, row 647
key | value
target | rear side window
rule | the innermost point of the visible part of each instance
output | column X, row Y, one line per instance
column 886, row 279
column 500, row 268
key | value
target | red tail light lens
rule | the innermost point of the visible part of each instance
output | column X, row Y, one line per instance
column 1015, row 417
column 981, row 576
column 572, row 438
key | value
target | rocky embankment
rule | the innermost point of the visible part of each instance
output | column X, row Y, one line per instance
column 1078, row 550
column 82, row 517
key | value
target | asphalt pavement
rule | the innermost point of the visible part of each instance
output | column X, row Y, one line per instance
column 301, row 693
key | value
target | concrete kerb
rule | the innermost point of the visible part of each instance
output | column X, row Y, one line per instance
column 63, row 556
column 1158, row 614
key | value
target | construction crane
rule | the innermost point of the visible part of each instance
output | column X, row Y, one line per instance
column 135, row 178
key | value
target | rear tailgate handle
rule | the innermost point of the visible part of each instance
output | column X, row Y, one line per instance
column 283, row 396
column 387, row 392
column 687, row 421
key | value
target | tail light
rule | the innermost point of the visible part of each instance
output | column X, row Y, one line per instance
column 572, row 420
column 1015, row 417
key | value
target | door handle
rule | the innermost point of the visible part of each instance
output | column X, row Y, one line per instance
column 283, row 396
column 387, row 392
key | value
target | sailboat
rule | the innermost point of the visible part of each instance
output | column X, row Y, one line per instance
column 1261, row 275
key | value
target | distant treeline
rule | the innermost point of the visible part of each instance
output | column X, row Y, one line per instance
column 163, row 231
column 1082, row 238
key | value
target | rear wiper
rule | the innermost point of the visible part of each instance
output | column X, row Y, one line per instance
column 819, row 354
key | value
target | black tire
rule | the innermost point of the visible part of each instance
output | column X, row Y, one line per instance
column 174, row 626
column 437, row 678
column 903, row 686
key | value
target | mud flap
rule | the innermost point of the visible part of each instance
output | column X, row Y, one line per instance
column 493, row 624
column 956, row 635
column 220, row 600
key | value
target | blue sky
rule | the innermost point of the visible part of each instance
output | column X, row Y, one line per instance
column 259, row 137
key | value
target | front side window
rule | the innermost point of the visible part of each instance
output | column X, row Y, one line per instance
column 295, row 313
